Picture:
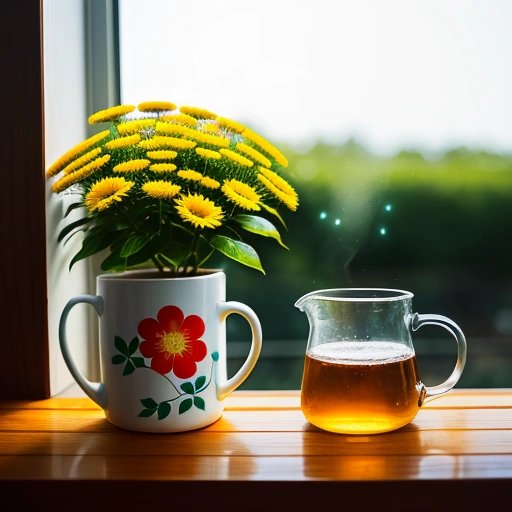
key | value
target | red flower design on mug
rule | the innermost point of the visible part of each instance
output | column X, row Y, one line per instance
column 172, row 341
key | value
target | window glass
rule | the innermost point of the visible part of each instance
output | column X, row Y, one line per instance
column 397, row 122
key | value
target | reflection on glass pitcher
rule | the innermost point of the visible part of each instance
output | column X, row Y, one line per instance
column 360, row 373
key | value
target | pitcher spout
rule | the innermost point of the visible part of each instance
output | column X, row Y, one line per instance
column 306, row 300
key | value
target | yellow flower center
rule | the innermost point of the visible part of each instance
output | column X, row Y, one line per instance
column 173, row 343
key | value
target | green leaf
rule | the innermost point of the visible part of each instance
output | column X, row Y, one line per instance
column 188, row 388
column 121, row 345
column 133, row 245
column 215, row 356
column 199, row 403
column 274, row 212
column 164, row 409
column 72, row 207
column 259, row 226
column 113, row 263
column 145, row 413
column 138, row 362
column 118, row 359
column 238, row 251
column 174, row 253
column 149, row 403
column 93, row 242
column 70, row 227
column 129, row 368
column 134, row 345
column 142, row 256
column 185, row 405
column 200, row 382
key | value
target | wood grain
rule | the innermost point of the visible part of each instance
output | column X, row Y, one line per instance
column 456, row 453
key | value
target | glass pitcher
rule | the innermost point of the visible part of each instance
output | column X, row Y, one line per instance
column 360, row 372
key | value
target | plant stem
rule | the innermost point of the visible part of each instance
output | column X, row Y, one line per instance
column 157, row 264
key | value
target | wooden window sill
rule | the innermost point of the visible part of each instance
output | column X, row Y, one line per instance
column 262, row 452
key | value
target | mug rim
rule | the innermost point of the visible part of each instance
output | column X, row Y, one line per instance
column 153, row 274
column 358, row 295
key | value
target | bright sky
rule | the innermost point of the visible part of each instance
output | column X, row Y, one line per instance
column 397, row 73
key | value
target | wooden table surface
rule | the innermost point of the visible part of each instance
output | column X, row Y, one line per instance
column 261, row 453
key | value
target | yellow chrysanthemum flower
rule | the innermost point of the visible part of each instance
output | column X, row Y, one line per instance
column 110, row 114
column 123, row 142
column 189, row 174
column 241, row 194
column 174, row 129
column 209, row 182
column 106, row 192
column 265, row 146
column 279, row 187
column 164, row 167
column 136, row 125
column 234, row 126
column 156, row 106
column 79, row 174
column 208, row 153
column 199, row 211
column 76, row 151
column 235, row 157
column 206, row 138
column 162, row 154
column 162, row 142
column 180, row 118
column 79, row 162
column 210, row 128
column 161, row 189
column 198, row 112
column 254, row 154
column 132, row 165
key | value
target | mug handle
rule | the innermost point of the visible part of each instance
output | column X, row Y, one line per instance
column 442, row 321
column 225, row 309
column 95, row 390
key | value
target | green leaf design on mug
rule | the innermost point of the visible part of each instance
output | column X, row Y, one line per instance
column 138, row 362
column 129, row 368
column 145, row 413
column 121, row 345
column 185, row 405
column 199, row 403
column 149, row 403
column 134, row 345
column 200, row 382
column 150, row 407
column 188, row 388
column 164, row 409
column 118, row 359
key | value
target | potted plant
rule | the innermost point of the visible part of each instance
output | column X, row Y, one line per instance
column 162, row 189
column 169, row 187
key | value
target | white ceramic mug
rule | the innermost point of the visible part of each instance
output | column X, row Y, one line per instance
column 162, row 349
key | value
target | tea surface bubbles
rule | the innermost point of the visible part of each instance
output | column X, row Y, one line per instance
column 360, row 387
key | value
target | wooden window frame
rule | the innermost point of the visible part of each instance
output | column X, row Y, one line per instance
column 24, row 364
column 25, row 358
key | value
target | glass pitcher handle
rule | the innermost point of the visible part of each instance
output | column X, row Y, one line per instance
column 442, row 321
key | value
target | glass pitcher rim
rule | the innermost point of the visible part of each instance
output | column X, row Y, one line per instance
column 393, row 294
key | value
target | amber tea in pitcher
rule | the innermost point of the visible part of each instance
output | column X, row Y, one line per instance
column 360, row 372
